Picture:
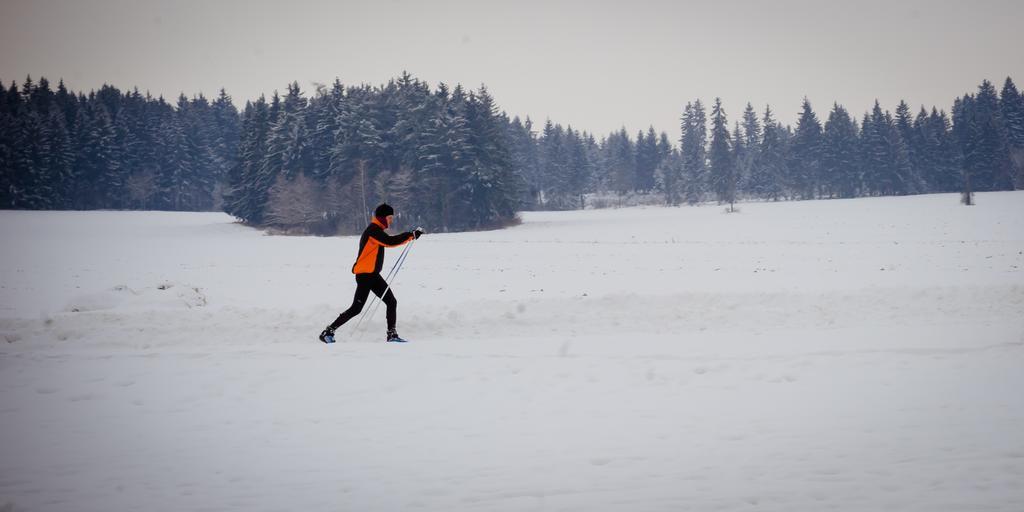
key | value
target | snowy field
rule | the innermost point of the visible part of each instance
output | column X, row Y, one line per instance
column 852, row 355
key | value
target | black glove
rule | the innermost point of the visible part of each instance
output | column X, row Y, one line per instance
column 417, row 233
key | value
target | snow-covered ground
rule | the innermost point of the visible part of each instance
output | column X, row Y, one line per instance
column 853, row 355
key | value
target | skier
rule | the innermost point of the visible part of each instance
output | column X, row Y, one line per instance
column 367, row 270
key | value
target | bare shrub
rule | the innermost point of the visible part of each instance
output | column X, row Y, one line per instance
column 141, row 186
column 297, row 205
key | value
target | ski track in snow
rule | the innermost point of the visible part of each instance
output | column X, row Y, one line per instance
column 824, row 355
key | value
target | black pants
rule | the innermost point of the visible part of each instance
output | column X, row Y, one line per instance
column 366, row 283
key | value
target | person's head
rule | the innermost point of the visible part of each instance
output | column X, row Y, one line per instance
column 385, row 214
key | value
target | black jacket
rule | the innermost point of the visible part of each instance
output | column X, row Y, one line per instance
column 370, row 257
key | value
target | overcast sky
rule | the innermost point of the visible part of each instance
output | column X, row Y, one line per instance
column 595, row 65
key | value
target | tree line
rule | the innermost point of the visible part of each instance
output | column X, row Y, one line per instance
column 113, row 150
column 452, row 161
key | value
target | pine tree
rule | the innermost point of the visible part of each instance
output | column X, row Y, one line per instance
column 245, row 196
column 646, row 160
column 912, row 144
column 739, row 156
column 750, row 145
column 224, row 142
column 66, row 103
column 8, row 146
column 97, row 163
column 948, row 173
column 692, row 149
column 444, row 158
column 621, row 162
column 983, row 139
column 30, row 188
column 128, row 152
column 578, row 167
column 13, row 104
column 489, row 185
column 722, row 167
column 875, row 153
column 173, row 177
column 770, row 163
column 1011, row 104
column 805, row 163
column 524, row 156
column 965, row 131
column 670, row 172
column 666, row 174
column 551, row 162
column 286, row 152
column 839, row 155
column 199, row 173
column 907, row 181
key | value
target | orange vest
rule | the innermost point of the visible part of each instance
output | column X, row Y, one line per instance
column 371, row 244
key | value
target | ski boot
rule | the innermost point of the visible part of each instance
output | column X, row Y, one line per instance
column 327, row 336
column 393, row 337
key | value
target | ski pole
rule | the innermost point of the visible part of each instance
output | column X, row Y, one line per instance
column 389, row 280
column 386, row 289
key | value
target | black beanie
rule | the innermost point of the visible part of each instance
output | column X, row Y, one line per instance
column 383, row 211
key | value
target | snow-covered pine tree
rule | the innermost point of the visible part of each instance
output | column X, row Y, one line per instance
column 766, row 177
column 722, row 169
column 173, row 177
column 739, row 155
column 874, row 153
column 11, row 99
column 594, row 161
column 839, row 155
column 128, row 151
column 579, row 168
column 67, row 103
column 523, row 143
column 620, row 159
column 747, row 157
column 965, row 131
column 1011, row 104
column 286, row 152
column 907, row 182
column 646, row 160
column 804, row 177
column 692, row 148
column 242, row 198
column 97, row 163
column 948, row 173
column 912, row 143
column 224, row 142
column 30, row 187
column 669, row 173
column 59, row 158
column 195, row 119
column 443, row 159
column 989, row 157
column 489, row 185
column 551, row 165
column 323, row 113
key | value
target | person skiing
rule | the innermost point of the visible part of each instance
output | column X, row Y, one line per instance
column 367, row 267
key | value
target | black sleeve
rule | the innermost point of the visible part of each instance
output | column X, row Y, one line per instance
column 390, row 241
